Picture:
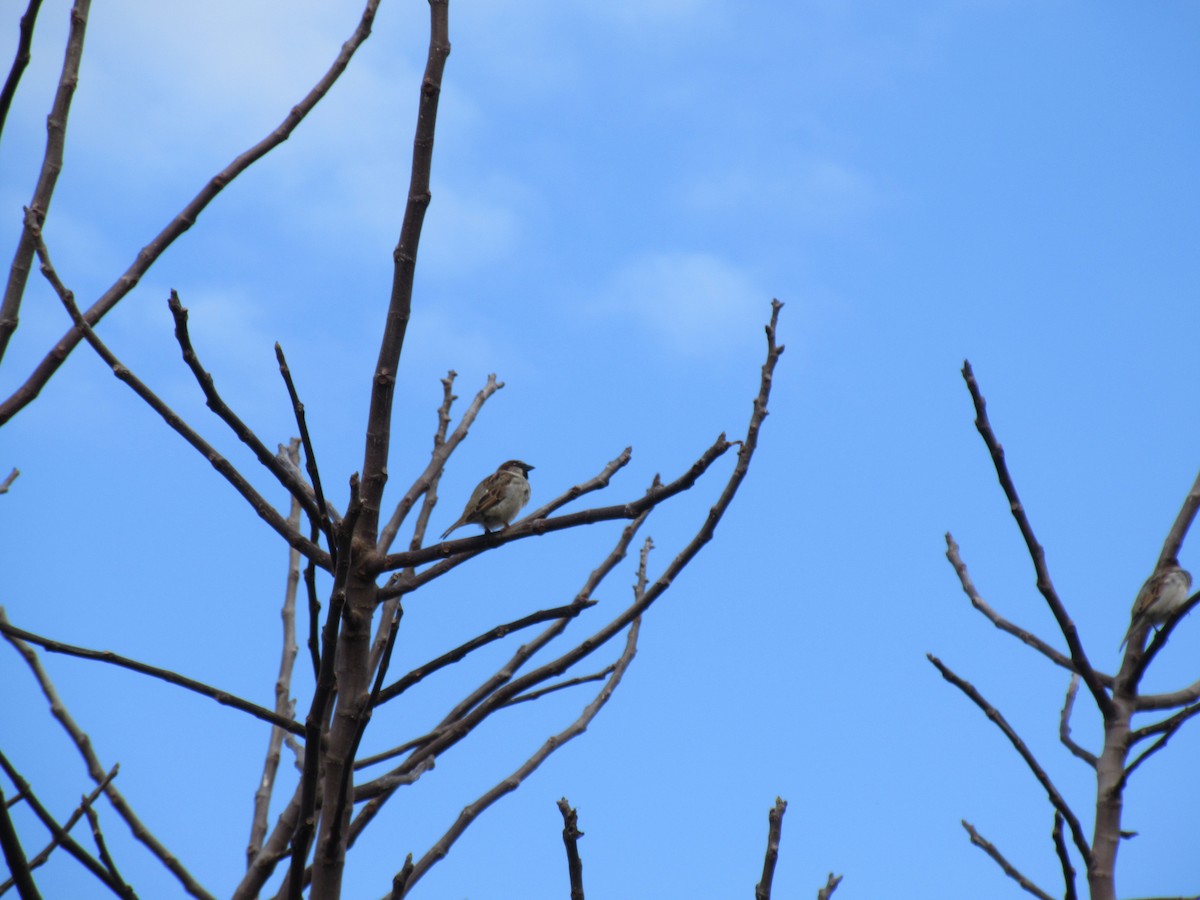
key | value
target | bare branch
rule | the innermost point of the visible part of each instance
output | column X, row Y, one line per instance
column 400, row 881
column 1166, row 729
column 284, row 705
column 1039, row 773
column 67, row 842
column 102, row 847
column 762, row 891
column 562, row 685
column 1183, row 522
column 147, row 256
column 321, row 514
column 265, row 511
column 1026, row 637
column 1064, row 725
column 1004, row 864
column 98, row 774
column 7, row 482
column 223, row 697
column 1064, row 858
column 571, row 835
column 52, row 162
column 831, row 884
column 88, row 800
column 439, row 850
column 20, row 59
column 14, row 856
column 1036, row 553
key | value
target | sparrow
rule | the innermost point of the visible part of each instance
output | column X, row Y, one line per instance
column 498, row 498
column 1163, row 593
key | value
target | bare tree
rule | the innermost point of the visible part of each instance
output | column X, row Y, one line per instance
column 1117, row 697
column 352, row 630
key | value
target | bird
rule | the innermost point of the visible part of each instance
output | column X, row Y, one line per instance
column 497, row 499
column 1162, row 594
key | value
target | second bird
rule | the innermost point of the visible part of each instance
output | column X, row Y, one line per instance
column 498, row 498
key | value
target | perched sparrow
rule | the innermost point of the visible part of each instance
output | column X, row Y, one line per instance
column 498, row 498
column 1163, row 593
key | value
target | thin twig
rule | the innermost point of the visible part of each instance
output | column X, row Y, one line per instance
column 571, row 835
column 52, row 163
column 1036, row 553
column 7, row 482
column 562, row 685
column 96, row 771
column 284, row 705
column 105, row 656
column 1183, row 522
column 1166, row 729
column 186, row 218
column 101, row 846
column 762, row 890
column 1056, row 799
column 1009, row 870
column 20, row 59
column 1064, row 725
column 310, row 455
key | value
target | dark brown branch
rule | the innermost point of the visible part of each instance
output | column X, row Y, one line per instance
column 1183, row 522
column 1064, row 858
column 1165, row 729
column 1036, row 553
column 762, row 890
column 284, row 705
column 379, row 418
column 147, row 256
column 439, row 850
column 105, row 656
column 14, row 856
column 101, row 846
column 52, row 162
column 571, row 835
column 7, row 482
column 20, row 60
column 264, row 510
column 1056, row 799
column 396, row 688
column 831, row 884
column 314, row 724
column 98, row 774
column 1064, row 725
column 562, row 685
column 321, row 514
column 400, row 881
column 85, row 804
column 1026, row 637
column 1004, row 864
column 286, row 475
column 67, row 842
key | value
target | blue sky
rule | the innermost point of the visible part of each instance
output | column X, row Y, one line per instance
column 619, row 190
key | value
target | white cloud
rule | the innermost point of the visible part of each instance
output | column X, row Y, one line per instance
column 695, row 302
